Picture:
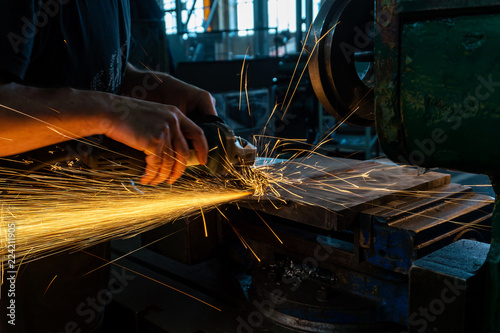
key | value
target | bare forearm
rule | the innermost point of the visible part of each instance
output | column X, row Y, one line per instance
column 36, row 117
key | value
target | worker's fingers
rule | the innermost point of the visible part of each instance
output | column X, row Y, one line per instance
column 153, row 162
column 161, row 132
column 175, row 150
column 207, row 104
column 167, row 160
column 181, row 150
column 193, row 132
column 188, row 98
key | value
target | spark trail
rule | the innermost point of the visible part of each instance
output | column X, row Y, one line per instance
column 73, row 209
column 69, row 209
column 54, row 213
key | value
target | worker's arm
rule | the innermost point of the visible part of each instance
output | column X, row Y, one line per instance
column 165, row 89
column 33, row 117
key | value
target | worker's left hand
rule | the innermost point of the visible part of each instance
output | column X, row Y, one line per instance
column 165, row 89
column 186, row 97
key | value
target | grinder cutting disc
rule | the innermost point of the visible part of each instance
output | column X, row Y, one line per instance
column 226, row 150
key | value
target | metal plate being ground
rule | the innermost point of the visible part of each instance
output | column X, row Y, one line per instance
column 329, row 193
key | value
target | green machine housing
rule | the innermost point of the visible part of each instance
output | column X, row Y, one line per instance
column 426, row 73
column 437, row 97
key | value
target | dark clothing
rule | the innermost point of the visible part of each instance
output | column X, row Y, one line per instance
column 83, row 44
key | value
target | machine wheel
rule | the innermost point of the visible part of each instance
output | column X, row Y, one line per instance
column 341, row 66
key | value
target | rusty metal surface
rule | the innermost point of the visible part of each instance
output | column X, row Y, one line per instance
column 321, row 270
column 329, row 193
column 411, row 227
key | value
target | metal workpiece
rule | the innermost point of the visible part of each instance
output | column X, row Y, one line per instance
column 340, row 208
column 308, row 278
column 341, row 65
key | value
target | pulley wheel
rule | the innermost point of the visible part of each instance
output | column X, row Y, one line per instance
column 341, row 65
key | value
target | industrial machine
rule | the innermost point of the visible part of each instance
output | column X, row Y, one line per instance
column 424, row 74
column 417, row 256
column 428, row 81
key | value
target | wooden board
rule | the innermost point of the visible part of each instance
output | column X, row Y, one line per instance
column 329, row 192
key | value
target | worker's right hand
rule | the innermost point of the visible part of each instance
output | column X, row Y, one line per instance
column 160, row 131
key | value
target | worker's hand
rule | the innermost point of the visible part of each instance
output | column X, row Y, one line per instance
column 188, row 98
column 160, row 131
column 165, row 89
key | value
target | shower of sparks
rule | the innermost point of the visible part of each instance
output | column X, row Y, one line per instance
column 66, row 209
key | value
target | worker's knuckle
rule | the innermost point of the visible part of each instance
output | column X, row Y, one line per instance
column 183, row 151
column 175, row 111
column 153, row 163
column 156, row 138
column 168, row 165
column 168, row 162
column 173, row 119
column 197, row 132
column 205, row 95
